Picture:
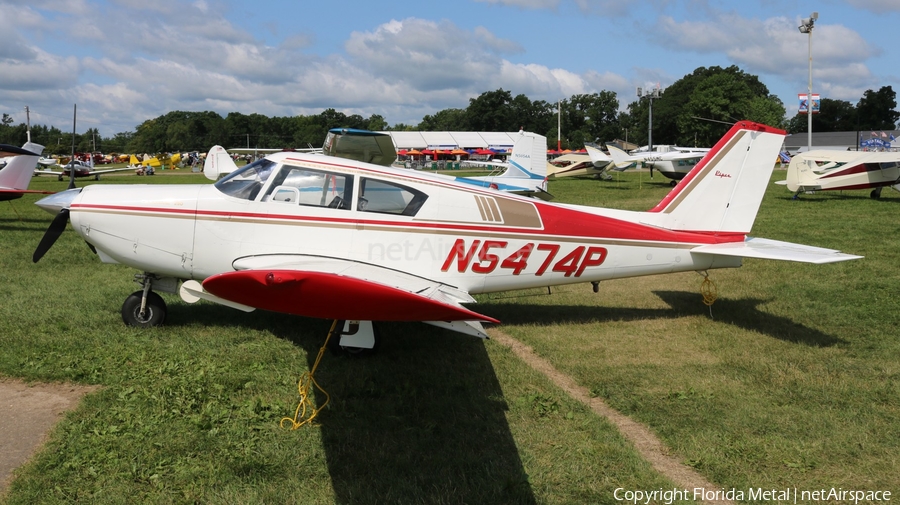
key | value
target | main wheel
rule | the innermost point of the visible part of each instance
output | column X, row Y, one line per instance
column 154, row 310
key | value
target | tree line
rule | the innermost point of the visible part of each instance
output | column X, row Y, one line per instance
column 695, row 110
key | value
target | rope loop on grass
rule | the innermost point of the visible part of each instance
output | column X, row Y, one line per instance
column 709, row 291
column 307, row 380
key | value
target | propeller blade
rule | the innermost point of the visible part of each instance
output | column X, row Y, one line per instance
column 52, row 234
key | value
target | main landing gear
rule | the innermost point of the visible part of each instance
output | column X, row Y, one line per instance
column 144, row 307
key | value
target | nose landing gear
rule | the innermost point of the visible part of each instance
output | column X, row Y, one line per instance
column 144, row 308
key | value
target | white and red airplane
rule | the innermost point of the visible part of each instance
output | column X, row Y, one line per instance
column 341, row 239
column 16, row 175
column 826, row 170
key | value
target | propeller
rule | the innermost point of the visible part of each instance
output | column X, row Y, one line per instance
column 52, row 234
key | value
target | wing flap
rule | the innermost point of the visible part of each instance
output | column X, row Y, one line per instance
column 775, row 250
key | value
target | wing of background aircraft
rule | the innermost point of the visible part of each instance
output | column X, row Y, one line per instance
column 84, row 170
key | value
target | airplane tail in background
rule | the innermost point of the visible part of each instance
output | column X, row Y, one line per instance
column 218, row 163
column 528, row 160
column 619, row 157
column 723, row 192
column 527, row 168
column 598, row 157
column 19, row 170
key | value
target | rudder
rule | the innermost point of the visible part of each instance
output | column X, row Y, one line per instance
column 723, row 192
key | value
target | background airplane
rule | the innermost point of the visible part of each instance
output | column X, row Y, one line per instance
column 825, row 170
column 16, row 175
column 595, row 163
column 82, row 169
column 674, row 165
column 340, row 239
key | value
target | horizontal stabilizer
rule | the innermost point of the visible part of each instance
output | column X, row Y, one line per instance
column 775, row 250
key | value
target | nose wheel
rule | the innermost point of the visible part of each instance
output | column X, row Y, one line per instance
column 144, row 308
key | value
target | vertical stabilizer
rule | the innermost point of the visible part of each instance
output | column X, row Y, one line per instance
column 723, row 192
column 528, row 159
column 526, row 172
column 218, row 163
column 19, row 170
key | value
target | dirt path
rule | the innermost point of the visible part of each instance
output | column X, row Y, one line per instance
column 27, row 413
column 646, row 443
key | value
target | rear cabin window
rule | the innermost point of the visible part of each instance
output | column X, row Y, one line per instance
column 316, row 188
column 389, row 198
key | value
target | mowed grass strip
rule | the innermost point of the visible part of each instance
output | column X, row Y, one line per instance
column 189, row 412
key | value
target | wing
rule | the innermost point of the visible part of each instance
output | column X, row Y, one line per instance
column 333, row 288
column 775, row 250
column 108, row 170
column 47, row 172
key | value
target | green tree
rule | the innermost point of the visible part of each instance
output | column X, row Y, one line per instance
column 877, row 109
column 444, row 120
column 690, row 108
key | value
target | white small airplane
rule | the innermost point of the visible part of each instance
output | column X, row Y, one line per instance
column 825, row 170
column 674, row 165
column 16, row 175
column 82, row 169
column 341, row 239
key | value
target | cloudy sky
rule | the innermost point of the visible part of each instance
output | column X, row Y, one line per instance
column 125, row 61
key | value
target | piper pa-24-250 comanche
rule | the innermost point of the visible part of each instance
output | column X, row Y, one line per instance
column 334, row 238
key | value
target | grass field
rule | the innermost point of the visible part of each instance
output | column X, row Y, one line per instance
column 791, row 379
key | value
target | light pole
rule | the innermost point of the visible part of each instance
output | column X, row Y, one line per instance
column 806, row 26
column 650, row 94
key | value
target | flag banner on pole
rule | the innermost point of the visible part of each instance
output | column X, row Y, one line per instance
column 803, row 105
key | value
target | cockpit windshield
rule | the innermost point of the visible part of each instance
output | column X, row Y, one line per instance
column 247, row 181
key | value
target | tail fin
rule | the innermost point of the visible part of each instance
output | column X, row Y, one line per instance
column 134, row 161
column 723, row 192
column 526, row 172
column 218, row 163
column 528, row 159
column 19, row 170
column 600, row 159
column 620, row 157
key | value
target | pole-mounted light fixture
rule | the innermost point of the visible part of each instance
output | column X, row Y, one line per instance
column 806, row 26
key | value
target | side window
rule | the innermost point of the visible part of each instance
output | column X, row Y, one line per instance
column 316, row 188
column 389, row 198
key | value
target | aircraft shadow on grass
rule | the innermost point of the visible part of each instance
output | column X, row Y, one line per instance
column 744, row 313
column 427, row 406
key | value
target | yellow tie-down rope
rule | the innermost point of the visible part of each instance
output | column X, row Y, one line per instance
column 709, row 291
column 307, row 380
